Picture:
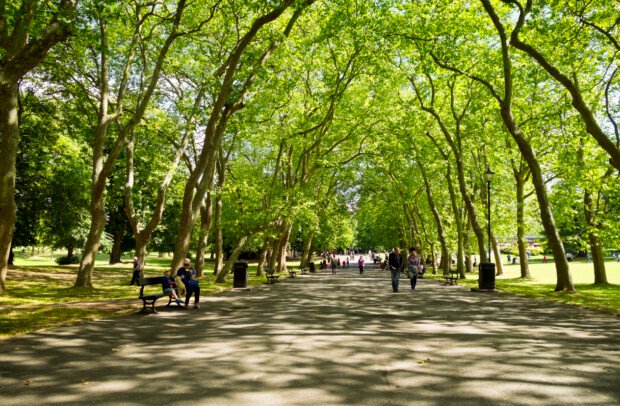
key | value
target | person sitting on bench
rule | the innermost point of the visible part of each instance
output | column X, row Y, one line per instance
column 191, row 283
column 169, row 286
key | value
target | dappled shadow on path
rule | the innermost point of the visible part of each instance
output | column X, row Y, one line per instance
column 323, row 339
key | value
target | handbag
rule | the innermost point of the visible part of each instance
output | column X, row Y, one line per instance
column 412, row 271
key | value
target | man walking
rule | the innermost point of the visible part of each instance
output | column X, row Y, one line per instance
column 137, row 267
column 395, row 263
column 360, row 263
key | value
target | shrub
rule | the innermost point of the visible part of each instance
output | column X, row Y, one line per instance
column 66, row 260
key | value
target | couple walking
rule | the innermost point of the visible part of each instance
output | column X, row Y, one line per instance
column 395, row 262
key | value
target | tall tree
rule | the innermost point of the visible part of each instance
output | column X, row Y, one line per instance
column 504, row 98
column 28, row 30
column 229, row 99
column 107, row 86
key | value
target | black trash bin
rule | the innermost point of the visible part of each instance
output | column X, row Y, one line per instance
column 311, row 266
column 486, row 276
column 240, row 275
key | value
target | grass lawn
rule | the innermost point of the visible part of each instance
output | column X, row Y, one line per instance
column 601, row 298
column 40, row 294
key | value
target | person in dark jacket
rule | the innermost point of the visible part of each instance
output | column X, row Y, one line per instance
column 136, row 271
column 395, row 263
column 188, row 274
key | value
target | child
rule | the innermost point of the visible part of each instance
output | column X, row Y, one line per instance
column 169, row 286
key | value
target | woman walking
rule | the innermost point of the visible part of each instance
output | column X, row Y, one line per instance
column 414, row 265
column 360, row 263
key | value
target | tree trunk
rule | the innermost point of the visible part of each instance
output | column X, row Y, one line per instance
column 445, row 260
column 499, row 266
column 115, row 253
column 460, row 266
column 141, row 243
column 471, row 210
column 219, row 239
column 468, row 251
column 433, row 258
column 262, row 260
column 468, row 264
column 11, row 256
column 221, row 277
column 306, row 253
column 521, row 243
column 564, row 280
column 456, row 149
column 9, row 133
column 273, row 254
column 283, row 245
column 596, row 248
column 203, row 239
column 89, row 254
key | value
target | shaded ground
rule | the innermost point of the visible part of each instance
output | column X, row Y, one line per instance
column 323, row 339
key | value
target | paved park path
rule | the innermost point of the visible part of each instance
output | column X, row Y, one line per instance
column 326, row 340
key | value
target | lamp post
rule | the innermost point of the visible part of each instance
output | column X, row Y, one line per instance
column 486, row 274
column 488, row 176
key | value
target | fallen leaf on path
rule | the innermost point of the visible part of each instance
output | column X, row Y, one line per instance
column 424, row 361
column 28, row 382
column 85, row 382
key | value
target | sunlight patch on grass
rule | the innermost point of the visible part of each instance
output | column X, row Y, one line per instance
column 41, row 294
column 602, row 298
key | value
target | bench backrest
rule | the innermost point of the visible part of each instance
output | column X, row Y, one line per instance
column 155, row 280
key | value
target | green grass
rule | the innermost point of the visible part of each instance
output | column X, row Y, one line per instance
column 40, row 294
column 603, row 298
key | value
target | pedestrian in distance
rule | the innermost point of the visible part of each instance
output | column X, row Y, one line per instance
column 414, row 266
column 395, row 263
column 333, row 265
column 360, row 264
column 137, row 267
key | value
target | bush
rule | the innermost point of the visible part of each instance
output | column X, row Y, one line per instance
column 66, row 260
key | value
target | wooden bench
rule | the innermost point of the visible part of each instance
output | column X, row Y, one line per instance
column 272, row 276
column 292, row 273
column 452, row 278
column 151, row 298
column 304, row 271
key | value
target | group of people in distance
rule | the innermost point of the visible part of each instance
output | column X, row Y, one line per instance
column 185, row 282
column 394, row 264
